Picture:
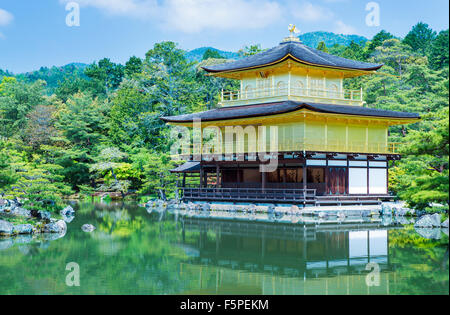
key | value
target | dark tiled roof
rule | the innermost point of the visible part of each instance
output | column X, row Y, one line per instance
column 188, row 167
column 268, row 109
column 299, row 51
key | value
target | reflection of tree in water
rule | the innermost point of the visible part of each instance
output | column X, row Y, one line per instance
column 128, row 253
column 408, row 250
column 133, row 251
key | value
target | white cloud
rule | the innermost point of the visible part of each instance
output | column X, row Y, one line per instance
column 191, row 16
column 309, row 12
column 5, row 17
column 196, row 15
column 342, row 28
column 131, row 8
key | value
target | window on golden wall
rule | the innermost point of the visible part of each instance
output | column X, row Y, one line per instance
column 281, row 88
column 333, row 91
column 316, row 86
column 299, row 88
column 248, row 92
column 264, row 86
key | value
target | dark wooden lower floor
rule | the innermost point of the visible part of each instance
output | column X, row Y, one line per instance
column 316, row 178
column 281, row 196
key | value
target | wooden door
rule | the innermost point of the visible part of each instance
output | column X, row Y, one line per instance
column 337, row 181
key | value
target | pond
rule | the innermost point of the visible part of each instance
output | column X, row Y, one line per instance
column 133, row 251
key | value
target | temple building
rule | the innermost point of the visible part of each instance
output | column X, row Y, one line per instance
column 292, row 109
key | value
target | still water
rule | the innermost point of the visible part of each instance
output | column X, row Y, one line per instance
column 136, row 252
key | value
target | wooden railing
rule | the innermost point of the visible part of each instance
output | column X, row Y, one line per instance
column 248, row 194
column 347, row 96
column 320, row 146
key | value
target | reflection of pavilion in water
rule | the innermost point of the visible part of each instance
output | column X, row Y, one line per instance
column 286, row 259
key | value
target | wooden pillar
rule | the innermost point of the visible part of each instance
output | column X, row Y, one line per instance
column 238, row 177
column 305, row 179
column 201, row 176
column 205, row 179
column 184, row 180
column 368, row 179
column 263, row 180
column 217, row 175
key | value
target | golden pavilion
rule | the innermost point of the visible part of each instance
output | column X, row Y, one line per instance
column 323, row 144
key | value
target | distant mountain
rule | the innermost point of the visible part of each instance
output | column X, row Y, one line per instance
column 5, row 74
column 54, row 74
column 197, row 54
column 312, row 39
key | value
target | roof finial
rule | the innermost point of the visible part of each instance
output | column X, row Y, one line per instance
column 292, row 37
column 293, row 29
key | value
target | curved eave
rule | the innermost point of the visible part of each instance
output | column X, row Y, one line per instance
column 394, row 120
column 290, row 56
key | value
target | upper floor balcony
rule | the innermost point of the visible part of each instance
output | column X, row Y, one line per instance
column 269, row 95
column 241, row 148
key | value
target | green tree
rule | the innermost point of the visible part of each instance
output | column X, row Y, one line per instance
column 72, row 85
column 210, row 53
column 396, row 55
column 210, row 87
column 354, row 51
column 169, row 79
column 378, row 40
column 106, row 75
column 32, row 178
column 133, row 66
column 40, row 126
column 439, row 53
column 82, row 127
column 420, row 38
column 7, row 173
column 322, row 47
column 250, row 50
column 155, row 169
column 108, row 164
column 422, row 177
column 17, row 100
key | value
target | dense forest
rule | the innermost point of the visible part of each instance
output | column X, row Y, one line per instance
column 98, row 128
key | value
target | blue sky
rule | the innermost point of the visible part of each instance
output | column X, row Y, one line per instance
column 34, row 33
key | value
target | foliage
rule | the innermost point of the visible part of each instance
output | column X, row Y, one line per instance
column 322, row 47
column 54, row 75
column 378, row 40
column 106, row 75
column 17, row 99
column 36, row 181
column 420, row 38
column 439, row 51
column 98, row 127
column 250, row 50
column 155, row 173
column 212, row 54
column 425, row 169
column 196, row 55
column 312, row 39
column 110, row 165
